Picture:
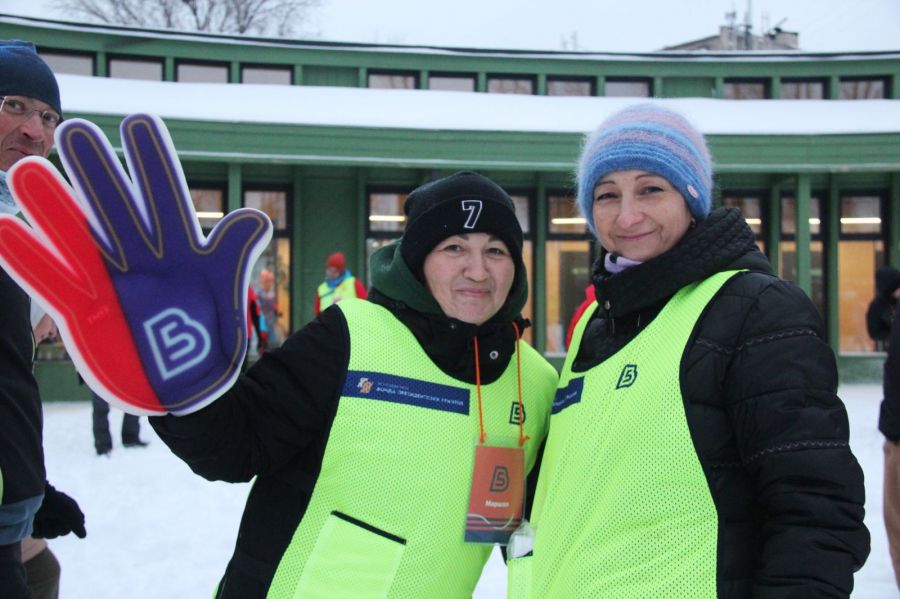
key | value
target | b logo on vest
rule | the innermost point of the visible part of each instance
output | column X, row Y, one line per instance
column 516, row 413
column 628, row 376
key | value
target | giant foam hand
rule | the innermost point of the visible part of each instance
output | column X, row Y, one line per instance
column 153, row 313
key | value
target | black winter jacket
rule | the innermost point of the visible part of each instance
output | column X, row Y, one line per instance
column 889, row 419
column 881, row 308
column 759, row 384
column 273, row 424
column 21, row 454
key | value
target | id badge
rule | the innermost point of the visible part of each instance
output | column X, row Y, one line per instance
column 497, row 495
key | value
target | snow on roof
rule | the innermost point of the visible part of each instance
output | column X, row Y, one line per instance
column 457, row 111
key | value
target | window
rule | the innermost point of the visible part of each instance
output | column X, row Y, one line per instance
column 860, row 252
column 803, row 89
column 197, row 72
column 859, row 88
column 266, row 75
column 568, row 267
column 751, row 207
column 209, row 202
column 393, row 80
column 633, row 88
column 275, row 259
column 788, row 247
column 131, row 68
column 69, row 64
column 745, row 89
column 386, row 220
column 570, row 87
column 451, row 82
column 510, row 84
column 522, row 202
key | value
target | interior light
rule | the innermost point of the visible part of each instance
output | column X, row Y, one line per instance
column 860, row 220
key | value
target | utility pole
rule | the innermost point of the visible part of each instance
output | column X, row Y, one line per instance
column 748, row 26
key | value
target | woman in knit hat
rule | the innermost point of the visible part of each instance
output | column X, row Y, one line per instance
column 697, row 446
column 390, row 438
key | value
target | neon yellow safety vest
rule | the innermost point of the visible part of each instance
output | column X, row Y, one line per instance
column 623, row 509
column 388, row 513
column 346, row 289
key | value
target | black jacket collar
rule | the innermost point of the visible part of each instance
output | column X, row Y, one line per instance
column 450, row 342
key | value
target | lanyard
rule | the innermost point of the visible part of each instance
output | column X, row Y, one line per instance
column 483, row 436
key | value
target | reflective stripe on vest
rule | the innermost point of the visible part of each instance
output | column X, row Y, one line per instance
column 346, row 289
column 389, row 508
column 623, row 508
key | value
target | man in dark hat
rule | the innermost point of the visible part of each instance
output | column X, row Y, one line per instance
column 29, row 112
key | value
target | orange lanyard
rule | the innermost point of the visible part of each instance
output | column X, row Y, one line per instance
column 483, row 436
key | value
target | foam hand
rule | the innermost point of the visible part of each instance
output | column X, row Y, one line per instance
column 153, row 314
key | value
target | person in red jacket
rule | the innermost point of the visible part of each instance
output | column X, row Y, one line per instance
column 256, row 321
column 589, row 296
column 339, row 283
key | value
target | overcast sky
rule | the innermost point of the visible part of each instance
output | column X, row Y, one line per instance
column 595, row 25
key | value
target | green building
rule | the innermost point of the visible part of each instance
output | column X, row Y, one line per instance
column 328, row 138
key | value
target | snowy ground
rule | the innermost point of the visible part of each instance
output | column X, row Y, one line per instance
column 157, row 531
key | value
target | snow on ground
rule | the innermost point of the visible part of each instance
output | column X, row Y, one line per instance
column 157, row 531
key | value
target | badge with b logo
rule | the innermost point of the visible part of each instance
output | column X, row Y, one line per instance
column 496, row 498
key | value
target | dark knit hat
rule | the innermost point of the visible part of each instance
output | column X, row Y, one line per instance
column 24, row 73
column 653, row 139
column 464, row 202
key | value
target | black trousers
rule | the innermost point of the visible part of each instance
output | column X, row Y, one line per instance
column 102, row 439
column 12, row 572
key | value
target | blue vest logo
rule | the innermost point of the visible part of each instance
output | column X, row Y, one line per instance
column 628, row 376
column 401, row 390
column 365, row 385
column 568, row 395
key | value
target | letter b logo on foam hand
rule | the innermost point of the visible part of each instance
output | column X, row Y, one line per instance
column 153, row 313
column 177, row 341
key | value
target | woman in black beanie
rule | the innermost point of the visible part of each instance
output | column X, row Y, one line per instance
column 366, row 429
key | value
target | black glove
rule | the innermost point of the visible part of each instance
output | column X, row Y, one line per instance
column 59, row 515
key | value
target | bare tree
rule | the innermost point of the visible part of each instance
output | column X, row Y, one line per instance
column 282, row 18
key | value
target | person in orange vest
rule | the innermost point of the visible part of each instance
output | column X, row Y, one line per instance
column 339, row 283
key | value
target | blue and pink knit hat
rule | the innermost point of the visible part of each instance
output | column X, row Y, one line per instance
column 650, row 138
